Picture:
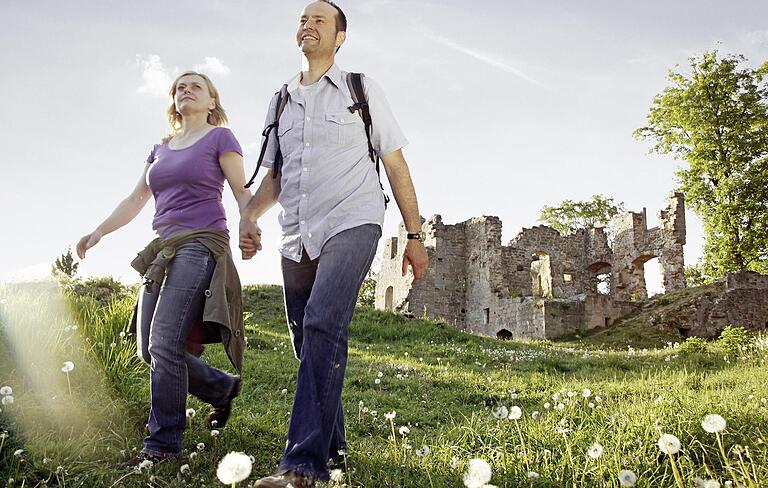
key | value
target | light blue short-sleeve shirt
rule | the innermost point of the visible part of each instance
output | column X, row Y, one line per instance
column 328, row 181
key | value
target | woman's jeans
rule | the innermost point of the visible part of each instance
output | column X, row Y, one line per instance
column 166, row 315
column 320, row 298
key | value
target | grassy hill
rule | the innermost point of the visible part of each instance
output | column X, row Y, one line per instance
column 445, row 387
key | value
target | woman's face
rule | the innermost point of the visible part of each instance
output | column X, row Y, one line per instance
column 192, row 96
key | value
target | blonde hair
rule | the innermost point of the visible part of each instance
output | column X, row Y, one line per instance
column 216, row 116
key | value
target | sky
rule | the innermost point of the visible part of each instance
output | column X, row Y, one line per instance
column 508, row 105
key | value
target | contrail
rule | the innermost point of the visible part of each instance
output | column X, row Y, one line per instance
column 486, row 58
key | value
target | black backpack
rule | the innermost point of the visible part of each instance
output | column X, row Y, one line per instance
column 355, row 84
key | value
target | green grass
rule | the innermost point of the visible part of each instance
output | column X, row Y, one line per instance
column 443, row 385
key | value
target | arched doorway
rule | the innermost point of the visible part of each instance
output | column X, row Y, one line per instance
column 388, row 297
column 541, row 275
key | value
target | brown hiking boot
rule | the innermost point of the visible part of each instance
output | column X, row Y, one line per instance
column 285, row 479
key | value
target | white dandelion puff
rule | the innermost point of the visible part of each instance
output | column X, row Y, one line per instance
column 627, row 478
column 595, row 451
column 6, row 390
column 215, row 433
column 713, row 423
column 404, row 430
column 390, row 415
column 67, row 367
column 478, row 473
column 337, row 475
column 191, row 413
column 533, row 475
column 500, row 412
column 7, row 400
column 669, row 444
column 515, row 413
column 184, row 469
column 234, row 468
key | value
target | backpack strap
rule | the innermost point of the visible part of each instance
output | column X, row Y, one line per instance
column 355, row 84
column 282, row 100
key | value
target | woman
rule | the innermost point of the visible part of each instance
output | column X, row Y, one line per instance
column 191, row 292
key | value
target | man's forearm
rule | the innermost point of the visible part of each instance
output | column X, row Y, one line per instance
column 264, row 198
column 402, row 189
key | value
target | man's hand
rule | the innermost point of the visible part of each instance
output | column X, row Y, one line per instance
column 416, row 255
column 250, row 238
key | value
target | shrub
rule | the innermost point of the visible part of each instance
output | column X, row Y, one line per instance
column 693, row 345
column 103, row 289
column 733, row 339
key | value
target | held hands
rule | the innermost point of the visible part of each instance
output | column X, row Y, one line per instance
column 250, row 238
column 88, row 241
column 415, row 255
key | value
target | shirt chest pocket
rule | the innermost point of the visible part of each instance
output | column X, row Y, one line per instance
column 344, row 128
column 289, row 137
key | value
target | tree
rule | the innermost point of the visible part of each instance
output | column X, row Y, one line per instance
column 367, row 295
column 569, row 216
column 716, row 120
column 65, row 266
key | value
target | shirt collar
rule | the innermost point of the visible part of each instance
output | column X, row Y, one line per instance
column 333, row 75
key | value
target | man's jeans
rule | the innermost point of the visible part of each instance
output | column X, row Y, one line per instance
column 165, row 320
column 320, row 297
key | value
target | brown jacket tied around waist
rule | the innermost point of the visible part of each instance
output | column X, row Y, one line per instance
column 223, row 308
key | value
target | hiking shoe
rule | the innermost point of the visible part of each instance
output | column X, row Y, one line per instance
column 285, row 479
column 220, row 415
column 143, row 460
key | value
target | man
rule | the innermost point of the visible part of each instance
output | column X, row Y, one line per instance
column 333, row 209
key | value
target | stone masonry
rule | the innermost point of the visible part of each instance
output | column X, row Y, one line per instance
column 541, row 284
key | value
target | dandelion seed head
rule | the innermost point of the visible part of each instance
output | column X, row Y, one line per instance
column 515, row 413
column 500, row 412
column 215, row 433
column 595, row 451
column 389, row 415
column 67, row 367
column 18, row 452
column 669, row 444
column 535, row 414
column 377, row 381
column 234, row 468
column 7, row 400
column 627, row 478
column 586, row 393
column 191, row 413
column 337, row 475
column 184, row 469
column 404, row 430
column 478, row 473
column 6, row 390
column 713, row 423
column 533, row 475
column 200, row 446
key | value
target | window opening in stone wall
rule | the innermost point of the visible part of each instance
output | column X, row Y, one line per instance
column 393, row 248
column 567, row 277
column 600, row 277
column 504, row 335
column 388, row 297
column 487, row 316
column 654, row 277
column 541, row 275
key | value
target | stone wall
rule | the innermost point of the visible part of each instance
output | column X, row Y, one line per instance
column 542, row 284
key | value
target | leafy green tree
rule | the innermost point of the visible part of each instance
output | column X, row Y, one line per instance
column 367, row 295
column 696, row 276
column 65, row 266
column 569, row 216
column 715, row 118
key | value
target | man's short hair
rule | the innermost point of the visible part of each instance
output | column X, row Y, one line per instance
column 341, row 19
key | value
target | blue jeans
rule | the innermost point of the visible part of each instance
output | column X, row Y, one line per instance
column 166, row 315
column 320, row 297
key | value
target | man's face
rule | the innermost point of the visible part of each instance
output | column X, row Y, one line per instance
column 317, row 30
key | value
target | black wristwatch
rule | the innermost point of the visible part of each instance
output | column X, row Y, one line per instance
column 419, row 236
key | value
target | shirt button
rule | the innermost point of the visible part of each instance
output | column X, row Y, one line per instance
column 306, row 145
column 306, row 169
column 303, row 195
column 303, row 222
column 309, row 235
column 308, row 119
column 342, row 120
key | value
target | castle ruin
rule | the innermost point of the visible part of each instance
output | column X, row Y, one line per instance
column 542, row 284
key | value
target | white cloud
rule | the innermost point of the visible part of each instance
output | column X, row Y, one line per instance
column 213, row 66
column 489, row 59
column 156, row 79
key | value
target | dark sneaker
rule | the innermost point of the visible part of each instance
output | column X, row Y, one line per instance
column 219, row 416
column 143, row 460
column 285, row 479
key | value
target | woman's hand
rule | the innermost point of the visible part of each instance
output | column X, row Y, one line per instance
column 250, row 238
column 87, row 242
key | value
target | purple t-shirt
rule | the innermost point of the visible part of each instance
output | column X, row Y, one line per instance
column 187, row 183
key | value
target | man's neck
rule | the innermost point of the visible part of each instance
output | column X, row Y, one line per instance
column 312, row 69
